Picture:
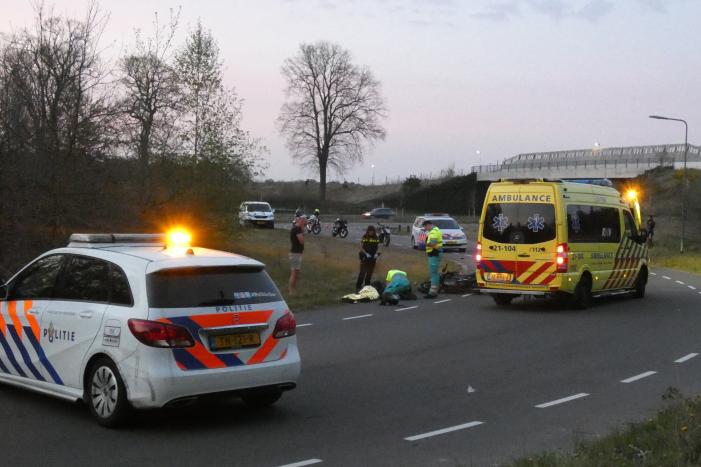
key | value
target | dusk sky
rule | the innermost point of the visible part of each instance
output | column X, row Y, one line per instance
column 500, row 77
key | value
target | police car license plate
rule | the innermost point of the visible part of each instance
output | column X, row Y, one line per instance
column 451, row 242
column 260, row 222
column 234, row 341
column 499, row 276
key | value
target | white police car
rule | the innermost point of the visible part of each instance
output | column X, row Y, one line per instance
column 256, row 213
column 124, row 321
column 453, row 235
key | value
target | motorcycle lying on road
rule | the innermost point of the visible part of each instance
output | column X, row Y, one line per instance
column 384, row 234
column 340, row 228
column 314, row 225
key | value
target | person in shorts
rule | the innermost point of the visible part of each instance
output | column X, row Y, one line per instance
column 296, row 251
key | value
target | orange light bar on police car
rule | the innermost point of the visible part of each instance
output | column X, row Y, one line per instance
column 178, row 238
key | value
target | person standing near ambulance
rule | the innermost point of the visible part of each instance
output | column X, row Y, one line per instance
column 368, row 255
column 434, row 252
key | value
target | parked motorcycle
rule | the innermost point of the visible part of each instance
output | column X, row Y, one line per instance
column 384, row 233
column 314, row 225
column 340, row 228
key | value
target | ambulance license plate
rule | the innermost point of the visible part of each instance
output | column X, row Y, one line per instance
column 234, row 341
column 499, row 276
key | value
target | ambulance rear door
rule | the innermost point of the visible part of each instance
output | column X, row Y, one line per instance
column 519, row 233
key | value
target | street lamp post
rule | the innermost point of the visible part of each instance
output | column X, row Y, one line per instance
column 686, row 152
column 373, row 173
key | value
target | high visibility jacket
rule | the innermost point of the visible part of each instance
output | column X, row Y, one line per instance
column 392, row 272
column 434, row 240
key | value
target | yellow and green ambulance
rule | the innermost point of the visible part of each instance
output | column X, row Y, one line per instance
column 554, row 238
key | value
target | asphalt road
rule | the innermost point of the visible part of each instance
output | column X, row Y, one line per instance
column 427, row 383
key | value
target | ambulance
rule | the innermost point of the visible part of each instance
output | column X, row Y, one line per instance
column 571, row 240
column 124, row 321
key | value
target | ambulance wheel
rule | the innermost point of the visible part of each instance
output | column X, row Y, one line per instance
column 582, row 293
column 503, row 299
column 261, row 400
column 106, row 394
column 640, row 284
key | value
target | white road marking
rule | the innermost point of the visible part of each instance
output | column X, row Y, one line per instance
column 304, row 325
column 466, row 295
column 407, row 308
column 679, row 282
column 561, row 401
column 685, row 358
column 637, row 377
column 653, row 273
column 303, row 463
column 691, row 287
column 443, row 431
column 357, row 317
column 443, row 301
column 665, row 277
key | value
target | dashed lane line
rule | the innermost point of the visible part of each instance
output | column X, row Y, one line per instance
column 407, row 308
column 653, row 273
column 303, row 463
column 466, row 295
column 357, row 317
column 666, row 277
column 304, row 325
column 443, row 431
column 638, row 377
column 691, row 287
column 686, row 358
column 443, row 301
column 545, row 405
column 679, row 282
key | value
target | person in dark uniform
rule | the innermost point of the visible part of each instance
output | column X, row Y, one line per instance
column 368, row 254
column 650, row 230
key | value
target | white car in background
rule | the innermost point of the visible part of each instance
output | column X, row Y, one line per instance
column 453, row 235
column 257, row 213
column 124, row 321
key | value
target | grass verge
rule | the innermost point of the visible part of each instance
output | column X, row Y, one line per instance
column 671, row 438
column 329, row 268
column 668, row 256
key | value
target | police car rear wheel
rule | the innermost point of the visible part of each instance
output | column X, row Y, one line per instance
column 105, row 393
column 261, row 399
column 413, row 243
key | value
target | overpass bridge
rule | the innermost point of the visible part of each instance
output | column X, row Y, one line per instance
column 623, row 162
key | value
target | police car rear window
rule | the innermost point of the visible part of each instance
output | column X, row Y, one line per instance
column 519, row 223
column 210, row 286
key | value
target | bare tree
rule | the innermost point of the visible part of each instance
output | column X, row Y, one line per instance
column 54, row 111
column 151, row 94
column 333, row 110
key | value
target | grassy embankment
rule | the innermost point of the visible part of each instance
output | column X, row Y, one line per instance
column 329, row 268
column 671, row 438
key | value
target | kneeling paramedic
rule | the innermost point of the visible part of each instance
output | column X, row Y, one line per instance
column 434, row 251
column 398, row 287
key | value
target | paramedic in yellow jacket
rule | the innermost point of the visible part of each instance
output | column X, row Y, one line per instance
column 434, row 251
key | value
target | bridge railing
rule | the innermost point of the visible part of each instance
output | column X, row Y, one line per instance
column 638, row 156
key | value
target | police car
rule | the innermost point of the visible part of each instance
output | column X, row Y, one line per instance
column 453, row 235
column 145, row 321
